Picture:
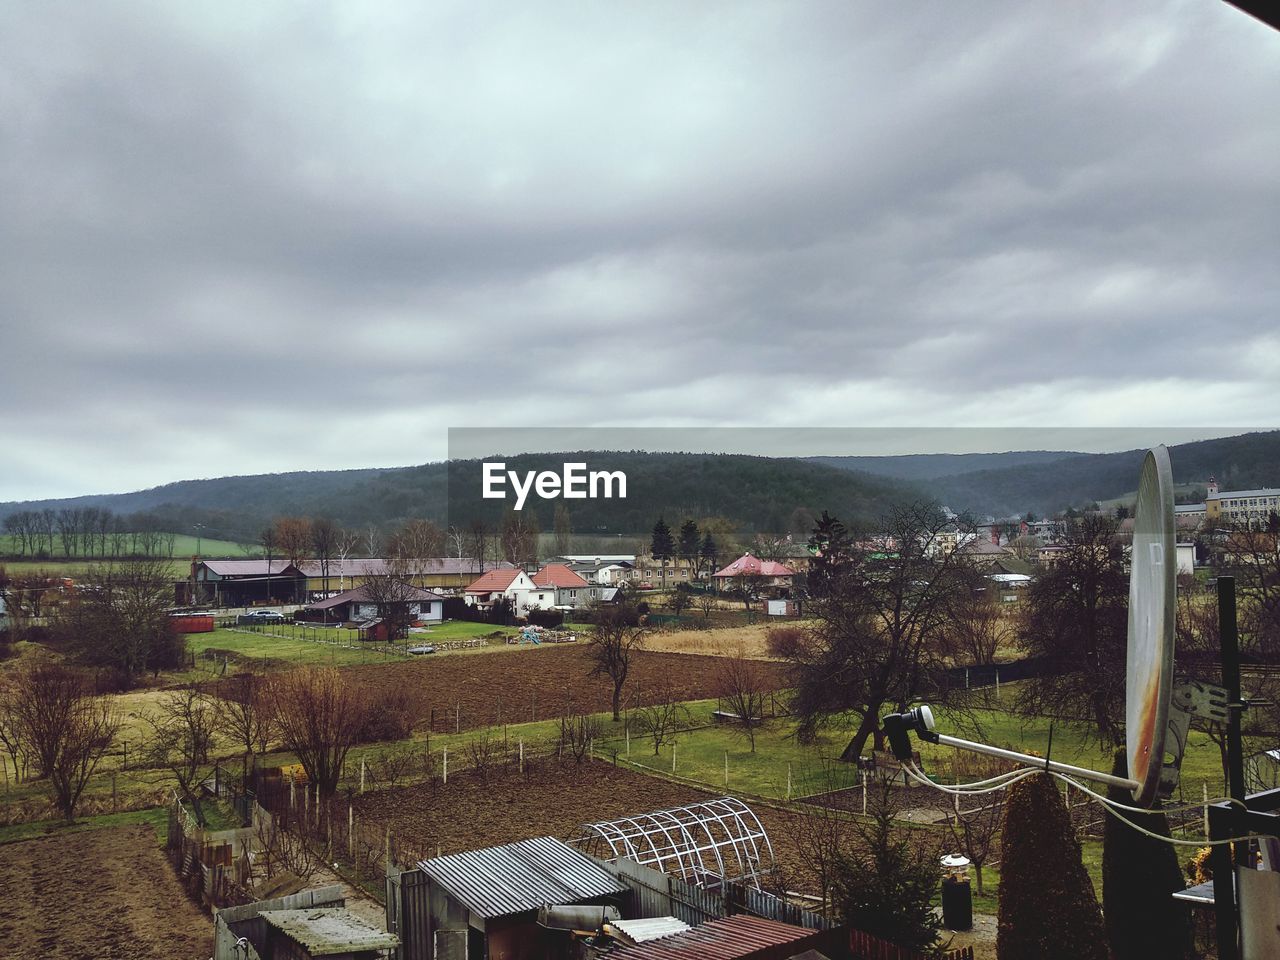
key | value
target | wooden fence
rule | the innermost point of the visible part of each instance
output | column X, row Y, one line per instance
column 863, row 946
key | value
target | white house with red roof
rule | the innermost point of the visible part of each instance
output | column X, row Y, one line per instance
column 571, row 590
column 514, row 584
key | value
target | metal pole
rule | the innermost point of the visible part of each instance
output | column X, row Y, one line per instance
column 1225, row 906
column 1041, row 762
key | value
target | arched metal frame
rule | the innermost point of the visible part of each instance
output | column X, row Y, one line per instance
column 720, row 839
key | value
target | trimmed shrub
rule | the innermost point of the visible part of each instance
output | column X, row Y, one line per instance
column 1139, row 874
column 1048, row 910
column 546, row 618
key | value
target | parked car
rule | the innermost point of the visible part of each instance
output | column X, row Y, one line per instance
column 262, row 616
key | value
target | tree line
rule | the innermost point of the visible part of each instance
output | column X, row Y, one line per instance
column 86, row 532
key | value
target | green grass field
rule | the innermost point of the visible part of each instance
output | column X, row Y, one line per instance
column 184, row 546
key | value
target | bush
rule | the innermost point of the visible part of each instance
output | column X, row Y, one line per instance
column 784, row 641
column 546, row 618
column 1139, row 874
column 1048, row 910
column 391, row 715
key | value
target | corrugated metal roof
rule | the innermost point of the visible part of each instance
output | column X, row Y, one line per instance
column 653, row 928
column 728, row 939
column 520, row 876
column 326, row 931
column 360, row 594
column 247, row 568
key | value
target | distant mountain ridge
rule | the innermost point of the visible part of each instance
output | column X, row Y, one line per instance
column 757, row 493
column 932, row 466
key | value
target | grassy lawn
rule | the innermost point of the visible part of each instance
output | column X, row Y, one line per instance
column 157, row 817
column 263, row 646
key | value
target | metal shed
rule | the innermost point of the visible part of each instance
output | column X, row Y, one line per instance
column 485, row 902
column 716, row 840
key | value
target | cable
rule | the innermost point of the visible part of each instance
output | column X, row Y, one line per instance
column 1005, row 780
column 1177, row 808
column 1108, row 806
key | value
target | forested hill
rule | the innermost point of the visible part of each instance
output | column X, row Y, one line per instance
column 755, row 493
column 931, row 466
column 1242, row 462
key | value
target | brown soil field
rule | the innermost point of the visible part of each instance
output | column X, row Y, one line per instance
column 539, row 684
column 99, row 893
column 550, row 799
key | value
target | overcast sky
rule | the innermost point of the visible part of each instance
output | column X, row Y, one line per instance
column 241, row 238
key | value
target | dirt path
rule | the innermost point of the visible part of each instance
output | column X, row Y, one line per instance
column 97, row 894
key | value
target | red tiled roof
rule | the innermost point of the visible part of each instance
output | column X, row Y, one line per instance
column 749, row 566
column 558, row 575
column 494, row 581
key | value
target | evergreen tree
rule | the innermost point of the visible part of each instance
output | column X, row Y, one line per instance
column 690, row 541
column 1048, row 910
column 662, row 547
column 832, row 549
column 885, row 887
column 1139, row 876
column 709, row 552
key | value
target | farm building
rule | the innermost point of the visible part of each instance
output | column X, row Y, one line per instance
column 485, row 903
column 360, row 604
column 242, row 583
column 432, row 573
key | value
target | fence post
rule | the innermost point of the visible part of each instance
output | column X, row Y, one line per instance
column 788, row 779
column 445, row 778
column 522, row 756
column 673, row 756
column 362, row 774
column 457, row 719
column 351, row 833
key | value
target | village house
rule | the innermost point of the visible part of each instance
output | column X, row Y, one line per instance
column 751, row 573
column 358, row 605
column 571, row 590
column 512, row 584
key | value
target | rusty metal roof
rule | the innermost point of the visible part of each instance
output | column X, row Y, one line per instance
column 731, row 938
column 521, row 876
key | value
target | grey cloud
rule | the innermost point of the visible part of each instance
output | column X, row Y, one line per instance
column 402, row 220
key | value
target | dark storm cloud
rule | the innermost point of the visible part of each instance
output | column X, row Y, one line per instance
column 383, row 222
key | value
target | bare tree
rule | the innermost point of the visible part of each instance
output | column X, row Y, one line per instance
column 1076, row 619
column 975, row 832
column 324, row 539
column 578, row 731
column 519, row 537
column 743, row 689
column 661, row 720
column 182, row 731
column 818, row 833
column 245, row 714
column 67, row 728
column 477, row 542
column 707, row 603
column 320, row 715
column 978, row 626
column 612, row 645
column 119, row 617
column 417, row 545
column 879, row 636
column 12, row 737
column 270, row 544
column 392, row 595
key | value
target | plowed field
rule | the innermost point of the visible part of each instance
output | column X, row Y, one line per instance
column 550, row 799
column 539, row 684
column 100, row 893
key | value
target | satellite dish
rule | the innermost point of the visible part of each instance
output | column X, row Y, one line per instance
column 1149, row 661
